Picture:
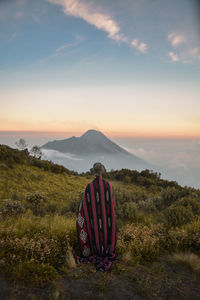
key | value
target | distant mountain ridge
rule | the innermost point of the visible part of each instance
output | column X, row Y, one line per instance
column 92, row 146
column 91, row 142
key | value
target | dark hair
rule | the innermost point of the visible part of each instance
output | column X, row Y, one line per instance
column 98, row 168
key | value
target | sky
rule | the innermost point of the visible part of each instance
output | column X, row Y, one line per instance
column 127, row 68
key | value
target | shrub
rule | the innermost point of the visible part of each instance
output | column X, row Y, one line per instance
column 147, row 182
column 12, row 208
column 158, row 202
column 182, row 211
column 127, row 179
column 35, row 202
column 178, row 215
column 193, row 235
column 129, row 210
column 11, row 156
column 190, row 203
column 72, row 207
column 43, row 240
column 144, row 243
column 147, row 205
column 52, row 208
column 176, row 239
column 169, row 195
column 34, row 272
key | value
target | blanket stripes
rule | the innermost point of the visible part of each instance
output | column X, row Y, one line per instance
column 96, row 228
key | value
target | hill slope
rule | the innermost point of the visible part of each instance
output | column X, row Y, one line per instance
column 39, row 202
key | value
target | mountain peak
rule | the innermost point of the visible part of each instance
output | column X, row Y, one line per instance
column 92, row 133
column 93, row 145
column 90, row 143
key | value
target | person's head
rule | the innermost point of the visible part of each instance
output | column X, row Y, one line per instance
column 99, row 169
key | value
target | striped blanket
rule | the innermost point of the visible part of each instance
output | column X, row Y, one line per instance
column 96, row 228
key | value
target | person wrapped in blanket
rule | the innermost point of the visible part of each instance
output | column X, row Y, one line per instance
column 96, row 227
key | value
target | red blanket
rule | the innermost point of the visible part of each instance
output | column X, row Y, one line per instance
column 96, row 228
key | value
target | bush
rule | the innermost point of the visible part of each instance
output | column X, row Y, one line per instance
column 144, row 243
column 33, row 248
column 147, row 205
column 35, row 202
column 146, row 178
column 169, row 195
column 129, row 211
column 190, row 203
column 33, row 272
column 50, row 166
column 127, row 179
column 193, row 235
column 46, row 240
column 11, row 156
column 12, row 208
column 52, row 208
column 158, row 202
column 182, row 211
column 178, row 215
column 72, row 207
column 122, row 206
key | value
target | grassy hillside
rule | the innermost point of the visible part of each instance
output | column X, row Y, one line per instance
column 158, row 225
column 59, row 189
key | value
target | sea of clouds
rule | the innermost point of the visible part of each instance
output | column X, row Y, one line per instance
column 178, row 158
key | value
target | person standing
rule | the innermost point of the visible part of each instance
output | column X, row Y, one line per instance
column 96, row 223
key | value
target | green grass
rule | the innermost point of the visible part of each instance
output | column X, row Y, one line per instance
column 28, row 225
column 23, row 180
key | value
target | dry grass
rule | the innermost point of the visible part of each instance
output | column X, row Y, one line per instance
column 70, row 262
column 187, row 259
column 127, row 257
column 28, row 224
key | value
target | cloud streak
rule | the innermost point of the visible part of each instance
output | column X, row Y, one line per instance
column 54, row 154
column 105, row 22
column 87, row 12
column 62, row 50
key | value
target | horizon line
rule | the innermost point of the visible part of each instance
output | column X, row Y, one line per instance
column 108, row 133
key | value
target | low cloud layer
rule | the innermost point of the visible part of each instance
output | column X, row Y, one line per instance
column 53, row 154
column 179, row 159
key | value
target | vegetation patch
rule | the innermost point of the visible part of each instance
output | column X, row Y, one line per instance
column 39, row 203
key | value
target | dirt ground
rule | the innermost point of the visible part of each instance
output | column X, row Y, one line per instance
column 157, row 280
